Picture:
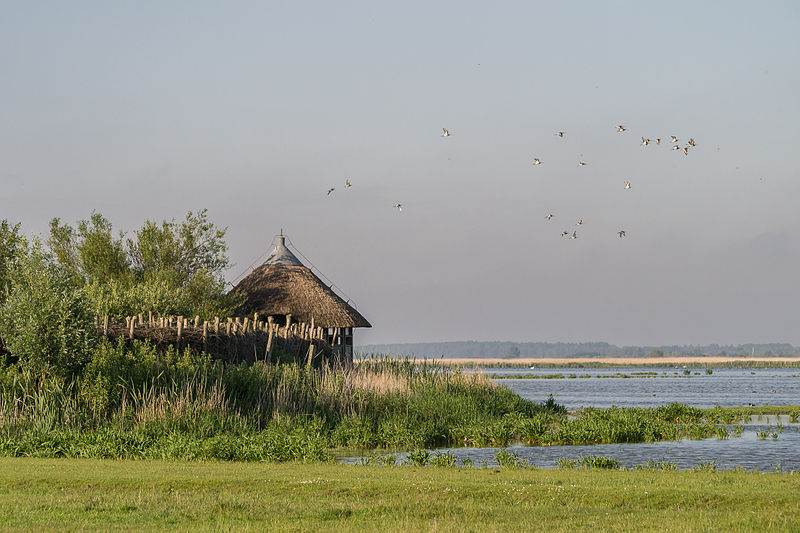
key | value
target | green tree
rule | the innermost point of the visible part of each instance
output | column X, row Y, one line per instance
column 12, row 248
column 167, row 268
column 91, row 251
column 46, row 320
column 194, row 245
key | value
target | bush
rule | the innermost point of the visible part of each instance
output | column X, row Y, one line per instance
column 46, row 321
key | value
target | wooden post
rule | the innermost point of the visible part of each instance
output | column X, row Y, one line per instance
column 180, row 330
column 336, row 352
column 228, row 338
column 269, row 347
column 105, row 326
column 310, row 354
column 131, row 326
column 197, row 321
column 141, row 318
column 216, row 325
column 244, row 325
column 150, row 318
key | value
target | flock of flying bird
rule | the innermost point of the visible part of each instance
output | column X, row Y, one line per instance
column 536, row 161
column 645, row 142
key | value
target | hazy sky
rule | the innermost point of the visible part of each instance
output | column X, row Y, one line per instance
column 255, row 109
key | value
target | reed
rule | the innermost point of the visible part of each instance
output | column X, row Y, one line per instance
column 134, row 401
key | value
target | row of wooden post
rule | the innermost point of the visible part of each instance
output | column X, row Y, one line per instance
column 235, row 326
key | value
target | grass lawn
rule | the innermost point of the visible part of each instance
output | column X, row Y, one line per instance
column 89, row 494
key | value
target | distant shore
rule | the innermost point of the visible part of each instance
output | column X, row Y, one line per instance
column 683, row 360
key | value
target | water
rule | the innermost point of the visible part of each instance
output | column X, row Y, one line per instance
column 728, row 387
column 652, row 387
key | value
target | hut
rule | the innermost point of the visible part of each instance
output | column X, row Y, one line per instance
column 286, row 290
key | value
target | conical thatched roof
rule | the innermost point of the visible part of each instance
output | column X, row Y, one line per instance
column 283, row 285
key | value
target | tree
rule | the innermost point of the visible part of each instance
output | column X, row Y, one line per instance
column 46, row 321
column 193, row 246
column 91, row 251
column 167, row 268
column 12, row 248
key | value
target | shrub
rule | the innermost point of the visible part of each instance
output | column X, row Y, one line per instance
column 443, row 459
column 508, row 459
column 418, row 457
column 46, row 321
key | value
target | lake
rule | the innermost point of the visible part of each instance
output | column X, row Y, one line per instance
column 652, row 387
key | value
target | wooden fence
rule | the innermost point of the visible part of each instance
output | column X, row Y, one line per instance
column 232, row 339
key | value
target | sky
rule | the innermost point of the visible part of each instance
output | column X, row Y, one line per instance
column 253, row 110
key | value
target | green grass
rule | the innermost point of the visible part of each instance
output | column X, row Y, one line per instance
column 132, row 402
column 86, row 495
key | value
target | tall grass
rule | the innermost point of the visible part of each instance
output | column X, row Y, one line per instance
column 132, row 401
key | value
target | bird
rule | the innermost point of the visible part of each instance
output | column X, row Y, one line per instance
column 446, row 133
column 676, row 147
column 692, row 143
column 580, row 222
column 549, row 216
column 658, row 140
column 331, row 190
column 685, row 150
column 564, row 233
column 621, row 233
column 574, row 235
column 674, row 139
column 560, row 133
column 628, row 185
column 347, row 183
column 537, row 161
column 581, row 163
column 620, row 128
column 399, row 207
column 645, row 141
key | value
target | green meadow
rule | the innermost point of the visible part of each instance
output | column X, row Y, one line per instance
column 106, row 495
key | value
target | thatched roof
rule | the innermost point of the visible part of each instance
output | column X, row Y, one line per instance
column 283, row 285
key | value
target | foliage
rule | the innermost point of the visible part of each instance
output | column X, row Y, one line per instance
column 46, row 321
column 131, row 387
column 12, row 248
column 418, row 457
column 194, row 245
column 508, row 459
column 589, row 461
column 168, row 268
column 446, row 459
